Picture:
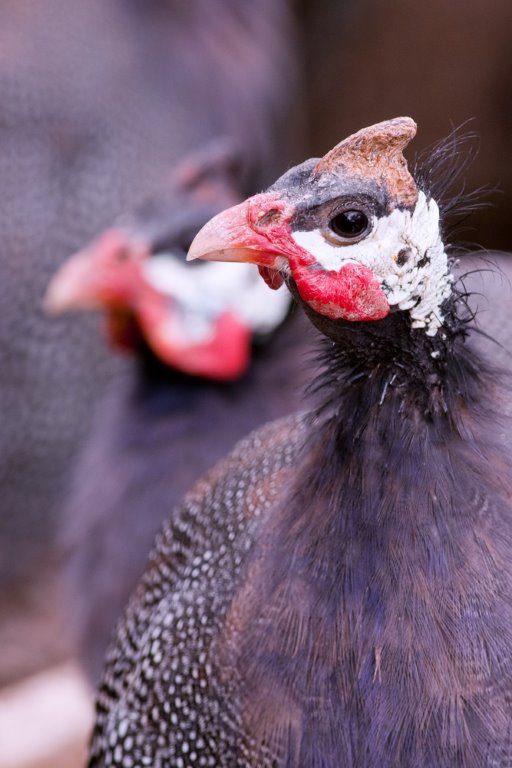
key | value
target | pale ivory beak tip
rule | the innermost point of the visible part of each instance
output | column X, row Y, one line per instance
column 55, row 300
column 65, row 291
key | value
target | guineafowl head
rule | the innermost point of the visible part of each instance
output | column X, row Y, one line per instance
column 352, row 233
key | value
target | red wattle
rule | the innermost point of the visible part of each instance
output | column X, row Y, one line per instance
column 353, row 293
column 272, row 277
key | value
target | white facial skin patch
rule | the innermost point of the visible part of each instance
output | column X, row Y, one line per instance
column 202, row 293
column 421, row 283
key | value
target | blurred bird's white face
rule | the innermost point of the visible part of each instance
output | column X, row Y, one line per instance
column 198, row 320
column 203, row 294
column 352, row 231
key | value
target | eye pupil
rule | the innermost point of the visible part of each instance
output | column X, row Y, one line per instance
column 349, row 224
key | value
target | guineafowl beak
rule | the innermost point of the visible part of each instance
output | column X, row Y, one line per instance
column 254, row 231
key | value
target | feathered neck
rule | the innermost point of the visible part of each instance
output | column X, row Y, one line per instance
column 383, row 564
column 367, row 364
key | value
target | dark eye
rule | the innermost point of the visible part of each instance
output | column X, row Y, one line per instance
column 350, row 224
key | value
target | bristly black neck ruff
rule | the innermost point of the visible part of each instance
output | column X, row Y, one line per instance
column 369, row 362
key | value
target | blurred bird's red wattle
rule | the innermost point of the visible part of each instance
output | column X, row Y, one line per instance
column 223, row 356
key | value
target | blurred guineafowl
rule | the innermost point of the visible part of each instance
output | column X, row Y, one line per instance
column 196, row 385
column 98, row 101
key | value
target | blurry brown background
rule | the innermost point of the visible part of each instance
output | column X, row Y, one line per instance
column 442, row 62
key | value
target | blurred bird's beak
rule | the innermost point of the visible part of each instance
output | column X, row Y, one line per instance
column 64, row 291
column 112, row 274
column 252, row 231
column 101, row 275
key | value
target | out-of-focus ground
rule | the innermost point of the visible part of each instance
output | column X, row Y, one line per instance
column 45, row 720
column 362, row 61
